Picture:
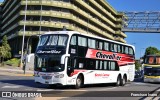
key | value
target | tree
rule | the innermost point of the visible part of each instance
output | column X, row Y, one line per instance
column 152, row 51
column 137, row 65
column 5, row 49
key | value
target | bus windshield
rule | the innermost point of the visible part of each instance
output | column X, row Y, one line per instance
column 48, row 64
column 53, row 40
column 152, row 71
column 152, row 60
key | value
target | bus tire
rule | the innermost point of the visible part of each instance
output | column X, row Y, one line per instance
column 123, row 81
column 79, row 82
column 53, row 86
column 118, row 81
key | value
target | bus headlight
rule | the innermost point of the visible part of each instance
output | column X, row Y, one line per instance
column 36, row 74
column 59, row 76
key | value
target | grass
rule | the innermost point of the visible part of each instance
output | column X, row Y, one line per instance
column 13, row 62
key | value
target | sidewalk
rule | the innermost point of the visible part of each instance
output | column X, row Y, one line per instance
column 14, row 71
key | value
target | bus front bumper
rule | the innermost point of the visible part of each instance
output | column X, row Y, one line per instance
column 152, row 80
column 50, row 79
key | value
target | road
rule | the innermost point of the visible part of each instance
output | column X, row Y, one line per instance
column 130, row 91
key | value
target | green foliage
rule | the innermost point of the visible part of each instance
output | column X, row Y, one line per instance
column 137, row 65
column 13, row 62
column 5, row 49
column 152, row 51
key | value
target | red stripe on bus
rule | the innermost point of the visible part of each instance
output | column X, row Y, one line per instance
column 76, row 72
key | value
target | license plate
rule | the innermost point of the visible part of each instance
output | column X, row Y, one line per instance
column 46, row 82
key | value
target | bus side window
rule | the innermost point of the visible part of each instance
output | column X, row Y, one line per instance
column 115, row 48
column 97, row 64
column 112, row 47
column 91, row 43
column 105, row 65
column 101, row 65
column 82, row 41
column 122, row 49
column 112, row 64
column 90, row 64
column 73, row 40
column 158, row 60
column 106, row 46
column 151, row 60
column 82, row 63
column 131, row 51
column 99, row 44
column 126, row 50
column 119, row 48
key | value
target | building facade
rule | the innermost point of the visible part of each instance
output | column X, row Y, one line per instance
column 95, row 17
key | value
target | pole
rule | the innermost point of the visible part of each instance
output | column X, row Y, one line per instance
column 40, row 18
column 24, row 28
column 28, row 44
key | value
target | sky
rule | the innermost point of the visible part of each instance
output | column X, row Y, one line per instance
column 140, row 40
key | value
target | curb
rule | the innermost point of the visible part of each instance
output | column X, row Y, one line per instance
column 24, row 74
column 15, row 72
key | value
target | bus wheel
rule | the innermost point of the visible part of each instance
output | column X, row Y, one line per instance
column 79, row 82
column 53, row 86
column 118, row 81
column 123, row 81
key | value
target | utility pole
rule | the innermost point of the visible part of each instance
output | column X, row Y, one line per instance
column 24, row 29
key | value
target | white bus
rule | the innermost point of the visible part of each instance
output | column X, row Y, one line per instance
column 72, row 58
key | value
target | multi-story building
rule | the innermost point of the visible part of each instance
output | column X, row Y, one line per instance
column 87, row 16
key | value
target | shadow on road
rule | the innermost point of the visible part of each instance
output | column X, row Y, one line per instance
column 23, row 81
column 140, row 79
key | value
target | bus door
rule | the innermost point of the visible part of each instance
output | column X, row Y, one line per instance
column 70, row 69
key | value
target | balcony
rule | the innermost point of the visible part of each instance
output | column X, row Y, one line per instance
column 120, row 40
column 105, row 11
column 10, row 13
column 64, row 5
column 10, row 21
column 108, row 6
column 119, row 33
column 95, row 12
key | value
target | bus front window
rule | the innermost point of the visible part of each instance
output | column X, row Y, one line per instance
column 152, row 71
column 50, row 64
column 53, row 40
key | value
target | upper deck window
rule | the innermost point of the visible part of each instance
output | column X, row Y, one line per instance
column 43, row 40
column 53, row 40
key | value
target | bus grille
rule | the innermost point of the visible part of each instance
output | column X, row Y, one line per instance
column 46, row 77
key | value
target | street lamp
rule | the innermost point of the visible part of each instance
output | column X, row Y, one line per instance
column 24, row 28
column 40, row 18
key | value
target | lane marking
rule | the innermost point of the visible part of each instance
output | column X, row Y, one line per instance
column 11, row 86
column 29, row 89
column 58, row 90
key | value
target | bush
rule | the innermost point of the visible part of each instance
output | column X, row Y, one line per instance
column 13, row 62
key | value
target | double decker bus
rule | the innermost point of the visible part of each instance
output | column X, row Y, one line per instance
column 151, row 68
column 72, row 58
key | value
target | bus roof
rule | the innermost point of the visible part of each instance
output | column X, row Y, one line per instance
column 89, row 35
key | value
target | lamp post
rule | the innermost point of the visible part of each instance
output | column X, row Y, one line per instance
column 24, row 28
column 40, row 18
